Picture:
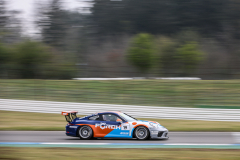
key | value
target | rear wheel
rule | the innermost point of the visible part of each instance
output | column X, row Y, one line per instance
column 141, row 133
column 85, row 132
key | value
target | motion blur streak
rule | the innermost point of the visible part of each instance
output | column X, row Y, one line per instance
column 177, row 59
column 137, row 111
column 127, row 38
column 58, row 137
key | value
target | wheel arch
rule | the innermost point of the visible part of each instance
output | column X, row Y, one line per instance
column 81, row 125
column 140, row 125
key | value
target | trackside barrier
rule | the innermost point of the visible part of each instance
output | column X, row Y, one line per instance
column 136, row 111
column 134, row 78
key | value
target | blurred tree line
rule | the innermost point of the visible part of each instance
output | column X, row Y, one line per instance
column 208, row 17
column 24, row 57
column 212, row 25
column 182, row 57
column 112, row 38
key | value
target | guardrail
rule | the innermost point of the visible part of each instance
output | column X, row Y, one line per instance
column 136, row 111
column 134, row 78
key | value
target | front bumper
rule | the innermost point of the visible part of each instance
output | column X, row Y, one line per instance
column 159, row 134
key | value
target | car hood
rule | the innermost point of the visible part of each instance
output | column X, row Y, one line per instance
column 147, row 123
column 143, row 121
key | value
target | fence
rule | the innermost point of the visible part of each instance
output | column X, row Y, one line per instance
column 136, row 111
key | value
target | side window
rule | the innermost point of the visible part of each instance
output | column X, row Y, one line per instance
column 96, row 117
column 110, row 117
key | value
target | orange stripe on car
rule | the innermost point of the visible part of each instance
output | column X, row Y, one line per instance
column 97, row 131
column 134, row 123
column 140, row 125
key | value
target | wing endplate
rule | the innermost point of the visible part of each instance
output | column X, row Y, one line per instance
column 70, row 115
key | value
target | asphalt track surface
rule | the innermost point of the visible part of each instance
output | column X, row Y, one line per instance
column 174, row 138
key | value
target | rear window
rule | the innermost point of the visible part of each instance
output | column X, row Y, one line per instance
column 96, row 117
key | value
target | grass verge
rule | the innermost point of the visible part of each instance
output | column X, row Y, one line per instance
column 224, row 93
column 56, row 122
column 103, row 154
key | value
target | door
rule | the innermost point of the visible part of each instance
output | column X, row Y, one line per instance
column 113, row 126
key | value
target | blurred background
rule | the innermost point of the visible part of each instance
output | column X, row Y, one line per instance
column 44, row 43
column 63, row 39
column 54, row 50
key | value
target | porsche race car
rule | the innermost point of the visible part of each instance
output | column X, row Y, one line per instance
column 112, row 125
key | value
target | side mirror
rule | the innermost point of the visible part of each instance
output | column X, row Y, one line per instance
column 120, row 122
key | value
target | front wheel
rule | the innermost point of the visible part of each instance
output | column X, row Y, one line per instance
column 85, row 132
column 141, row 133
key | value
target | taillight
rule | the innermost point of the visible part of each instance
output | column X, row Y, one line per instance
column 70, row 124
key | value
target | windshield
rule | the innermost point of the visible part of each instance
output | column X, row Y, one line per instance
column 127, row 117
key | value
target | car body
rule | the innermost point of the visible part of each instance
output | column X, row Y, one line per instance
column 112, row 124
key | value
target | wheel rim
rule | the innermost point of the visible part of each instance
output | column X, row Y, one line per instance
column 141, row 133
column 85, row 132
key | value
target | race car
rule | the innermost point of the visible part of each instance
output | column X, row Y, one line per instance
column 112, row 125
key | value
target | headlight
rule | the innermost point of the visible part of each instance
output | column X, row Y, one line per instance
column 153, row 125
column 159, row 126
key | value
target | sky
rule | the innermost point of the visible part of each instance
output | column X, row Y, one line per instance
column 27, row 8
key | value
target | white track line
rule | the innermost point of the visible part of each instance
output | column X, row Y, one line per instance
column 172, row 144
column 196, row 144
column 236, row 136
column 78, row 143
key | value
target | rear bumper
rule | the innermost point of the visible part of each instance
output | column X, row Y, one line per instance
column 71, row 131
column 70, row 134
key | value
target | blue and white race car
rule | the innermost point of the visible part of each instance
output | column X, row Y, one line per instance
column 112, row 125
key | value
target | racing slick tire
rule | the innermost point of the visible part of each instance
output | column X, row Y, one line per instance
column 85, row 132
column 141, row 133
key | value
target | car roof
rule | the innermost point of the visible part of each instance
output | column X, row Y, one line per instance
column 116, row 112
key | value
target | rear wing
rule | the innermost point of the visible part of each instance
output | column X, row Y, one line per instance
column 70, row 115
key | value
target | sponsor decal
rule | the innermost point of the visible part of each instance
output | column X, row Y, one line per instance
column 105, row 126
column 125, row 127
column 124, row 133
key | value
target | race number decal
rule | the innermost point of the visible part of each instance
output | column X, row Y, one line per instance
column 125, row 127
